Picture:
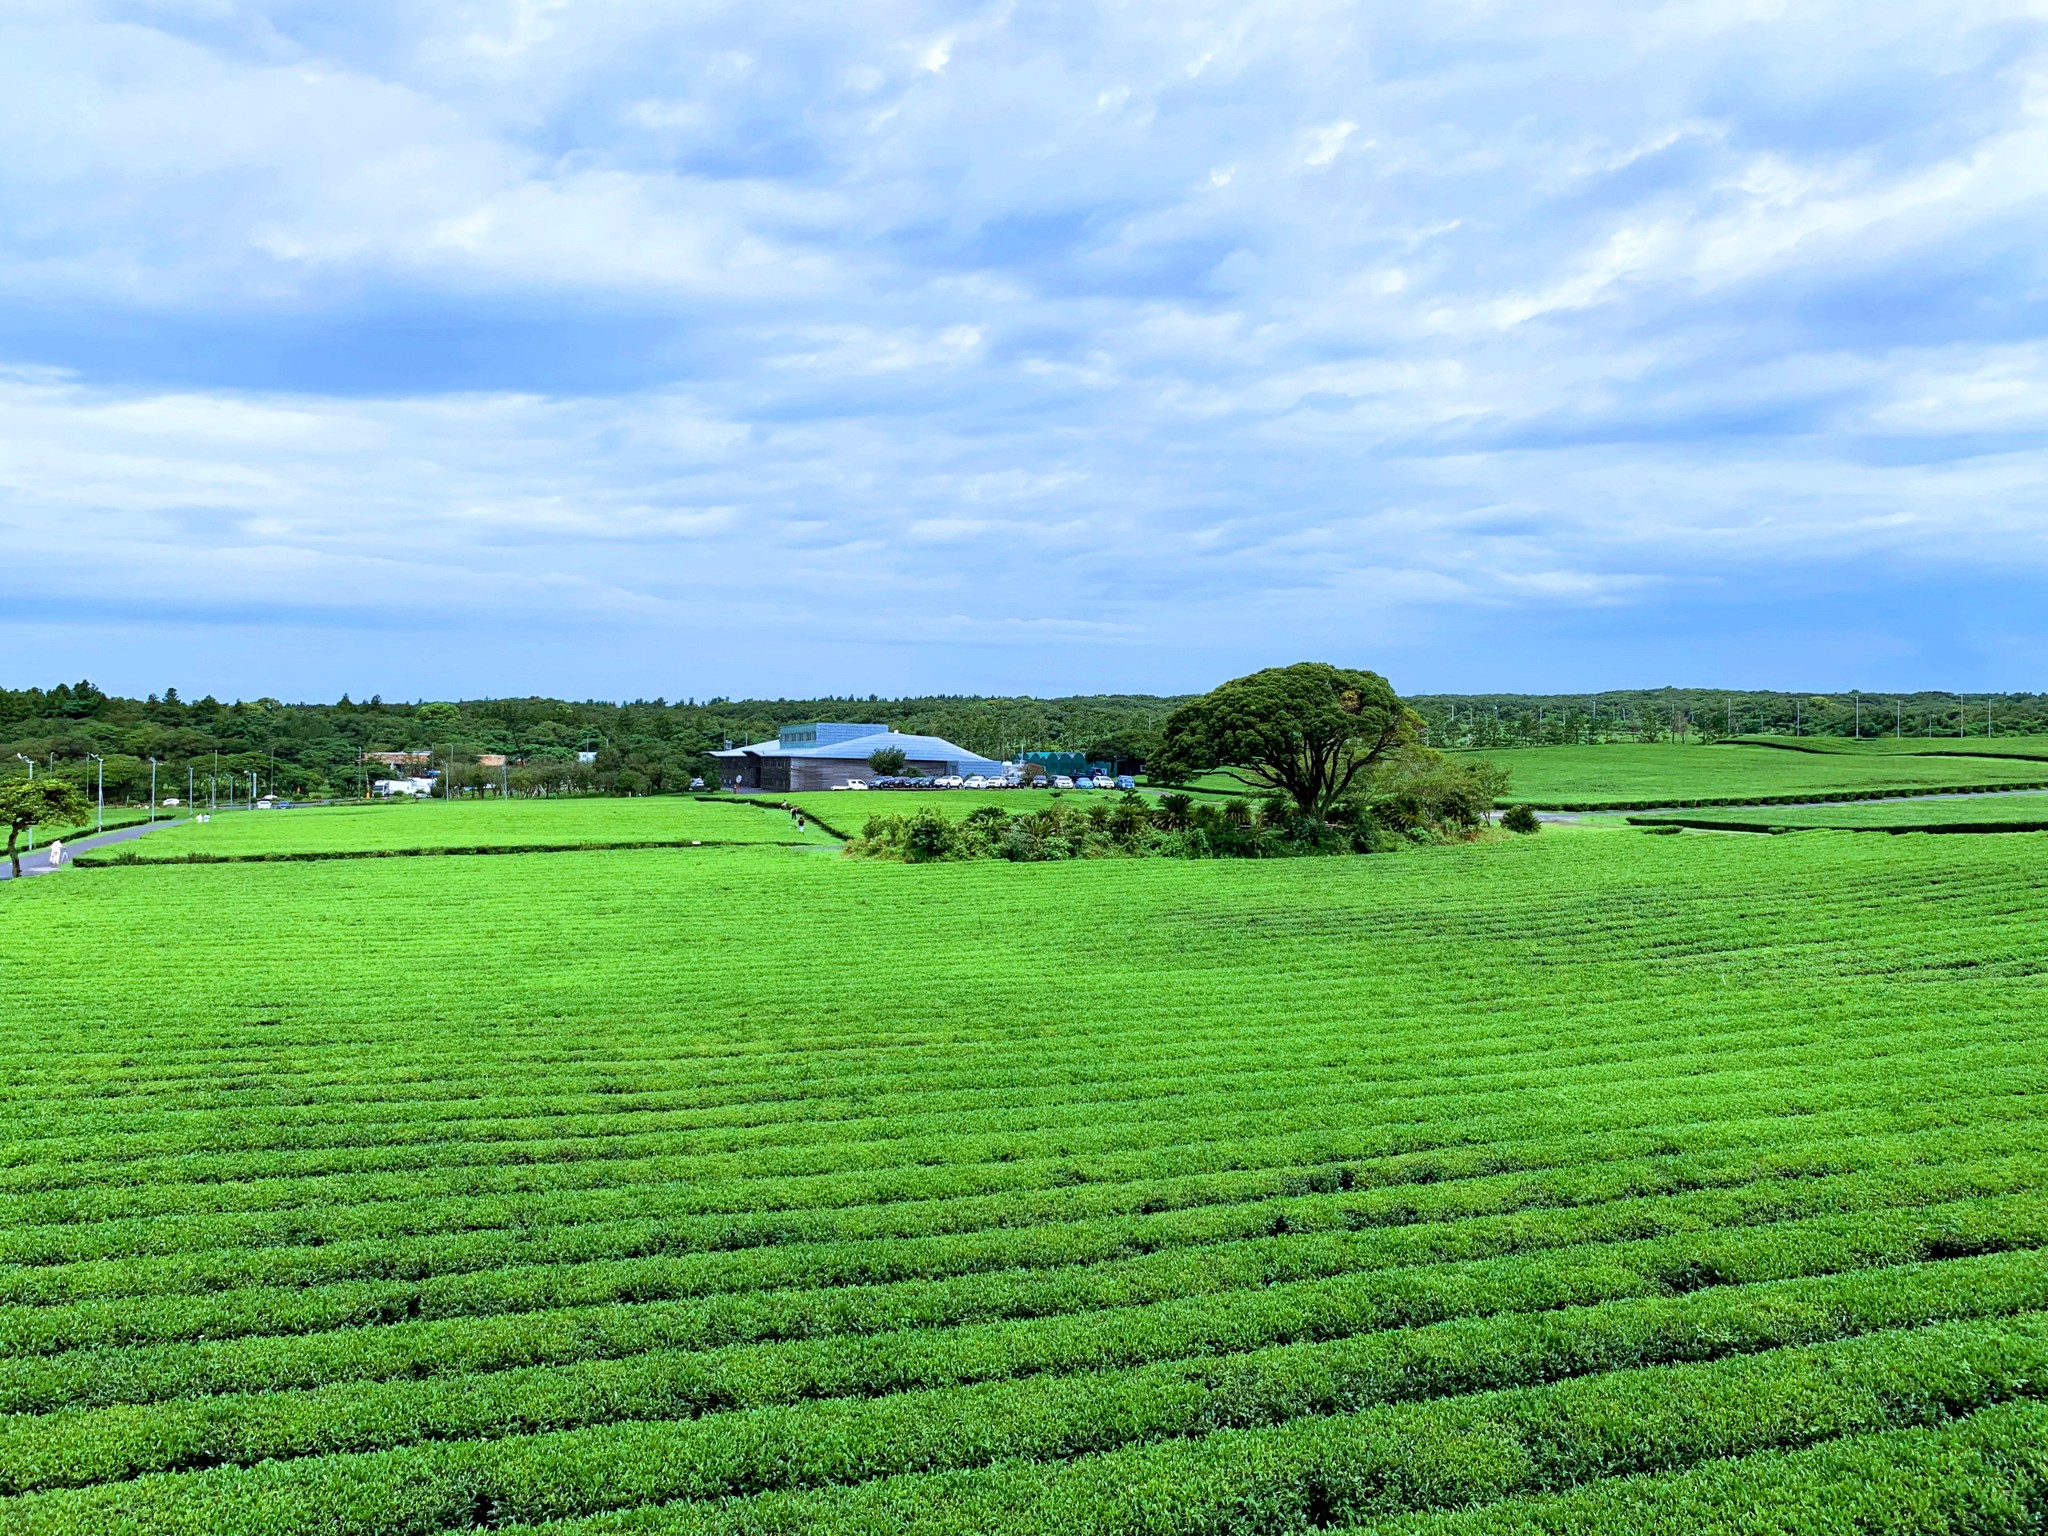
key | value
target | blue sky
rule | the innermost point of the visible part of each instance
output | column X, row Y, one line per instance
column 608, row 348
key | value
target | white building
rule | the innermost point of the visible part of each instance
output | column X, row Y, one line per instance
column 823, row 754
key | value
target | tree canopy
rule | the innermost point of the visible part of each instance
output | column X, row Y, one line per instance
column 1309, row 731
column 26, row 803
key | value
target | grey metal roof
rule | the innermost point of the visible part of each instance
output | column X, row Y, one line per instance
column 929, row 747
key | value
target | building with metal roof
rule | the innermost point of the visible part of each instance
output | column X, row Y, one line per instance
column 824, row 754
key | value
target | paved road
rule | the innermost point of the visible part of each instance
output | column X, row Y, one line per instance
column 38, row 863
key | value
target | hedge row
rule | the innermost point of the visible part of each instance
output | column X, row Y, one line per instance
column 197, row 856
column 1986, row 1475
column 859, row 1242
column 1810, row 797
column 1703, row 824
column 739, row 1211
column 1480, row 1331
column 1413, row 1114
column 828, row 1317
column 425, row 1293
column 1384, row 1460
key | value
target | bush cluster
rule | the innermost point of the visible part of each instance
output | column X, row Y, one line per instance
column 1420, row 797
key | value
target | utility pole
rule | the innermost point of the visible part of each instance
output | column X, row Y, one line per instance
column 152, row 790
column 1899, row 726
column 1989, row 728
column 213, row 783
column 1859, row 715
column 1962, row 716
column 101, row 824
column 1795, row 717
column 31, row 778
column 191, row 785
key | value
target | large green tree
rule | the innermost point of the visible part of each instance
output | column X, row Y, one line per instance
column 26, row 803
column 1309, row 731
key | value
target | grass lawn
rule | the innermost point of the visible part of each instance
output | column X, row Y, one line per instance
column 1588, row 1183
column 1655, row 774
column 431, row 824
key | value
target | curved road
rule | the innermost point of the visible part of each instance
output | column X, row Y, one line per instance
column 38, row 863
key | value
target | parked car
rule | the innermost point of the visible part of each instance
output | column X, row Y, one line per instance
column 974, row 781
column 947, row 781
column 1061, row 781
column 1125, row 781
column 852, row 784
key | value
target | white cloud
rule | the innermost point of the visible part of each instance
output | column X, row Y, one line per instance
column 1326, row 143
column 720, row 309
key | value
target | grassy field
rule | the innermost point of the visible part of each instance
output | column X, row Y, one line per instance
column 1912, row 746
column 1587, row 1182
column 434, row 824
column 1627, row 775
column 1993, row 813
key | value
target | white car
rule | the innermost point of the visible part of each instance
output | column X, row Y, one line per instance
column 1061, row 781
column 947, row 781
column 852, row 784
column 974, row 781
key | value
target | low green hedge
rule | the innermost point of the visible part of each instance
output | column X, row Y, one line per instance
column 1824, row 797
column 105, row 861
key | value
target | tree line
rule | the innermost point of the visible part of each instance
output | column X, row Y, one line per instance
column 1712, row 714
column 216, row 750
column 219, row 749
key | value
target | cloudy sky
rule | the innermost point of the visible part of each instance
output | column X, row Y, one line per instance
column 614, row 347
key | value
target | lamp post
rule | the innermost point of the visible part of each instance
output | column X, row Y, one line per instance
column 100, row 825
column 31, row 778
column 152, row 791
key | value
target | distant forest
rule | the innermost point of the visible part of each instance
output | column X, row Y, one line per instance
column 654, row 746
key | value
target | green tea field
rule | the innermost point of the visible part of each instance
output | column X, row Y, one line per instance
column 434, row 824
column 2035, row 747
column 847, row 809
column 1661, row 774
column 1587, row 1182
column 1961, row 813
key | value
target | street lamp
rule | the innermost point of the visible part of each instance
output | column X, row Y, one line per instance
column 152, row 790
column 101, row 824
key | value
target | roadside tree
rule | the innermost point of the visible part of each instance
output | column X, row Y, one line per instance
column 26, row 803
column 1310, row 731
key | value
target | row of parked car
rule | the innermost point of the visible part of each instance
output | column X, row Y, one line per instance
column 976, row 781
